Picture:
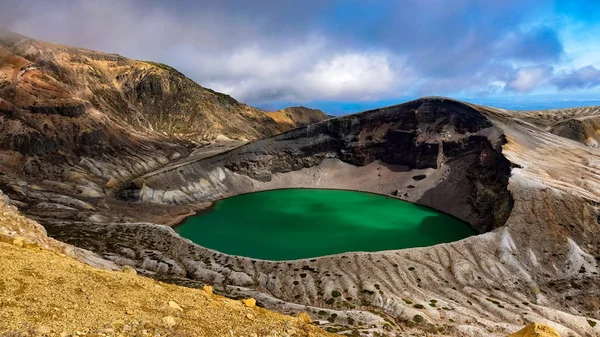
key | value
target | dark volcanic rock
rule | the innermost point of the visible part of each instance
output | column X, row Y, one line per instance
column 409, row 134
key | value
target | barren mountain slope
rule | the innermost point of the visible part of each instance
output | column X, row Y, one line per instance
column 43, row 78
column 297, row 116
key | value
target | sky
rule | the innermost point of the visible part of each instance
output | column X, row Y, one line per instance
column 344, row 55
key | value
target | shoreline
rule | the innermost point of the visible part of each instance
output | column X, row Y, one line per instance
column 207, row 206
column 195, row 209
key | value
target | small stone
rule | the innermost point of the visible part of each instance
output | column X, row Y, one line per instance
column 174, row 305
column 149, row 325
column 64, row 334
column 128, row 270
column 253, row 335
column 44, row 330
column 112, row 182
column 208, row 289
column 118, row 323
column 169, row 321
column 129, row 311
column 249, row 302
column 250, row 316
column 304, row 318
column 19, row 241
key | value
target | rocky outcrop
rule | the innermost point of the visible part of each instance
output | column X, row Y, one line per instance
column 20, row 231
column 584, row 130
column 298, row 116
column 536, row 330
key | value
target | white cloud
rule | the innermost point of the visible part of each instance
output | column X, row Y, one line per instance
column 360, row 75
column 234, row 58
column 270, row 50
column 528, row 79
column 309, row 70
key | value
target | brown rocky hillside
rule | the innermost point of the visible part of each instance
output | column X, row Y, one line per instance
column 51, row 95
column 297, row 116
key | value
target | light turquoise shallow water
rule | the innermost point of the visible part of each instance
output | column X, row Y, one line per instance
column 302, row 223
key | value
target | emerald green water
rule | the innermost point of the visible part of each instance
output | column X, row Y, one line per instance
column 302, row 223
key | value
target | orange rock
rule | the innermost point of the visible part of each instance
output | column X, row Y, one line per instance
column 249, row 302
column 536, row 330
column 304, row 318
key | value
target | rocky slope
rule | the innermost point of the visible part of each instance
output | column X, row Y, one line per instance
column 298, row 116
column 39, row 78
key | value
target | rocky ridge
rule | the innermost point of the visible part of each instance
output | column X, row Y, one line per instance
column 297, row 116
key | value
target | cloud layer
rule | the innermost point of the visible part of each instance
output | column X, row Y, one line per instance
column 344, row 50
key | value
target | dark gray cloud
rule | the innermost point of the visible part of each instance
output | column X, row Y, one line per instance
column 582, row 78
column 261, row 51
column 539, row 44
